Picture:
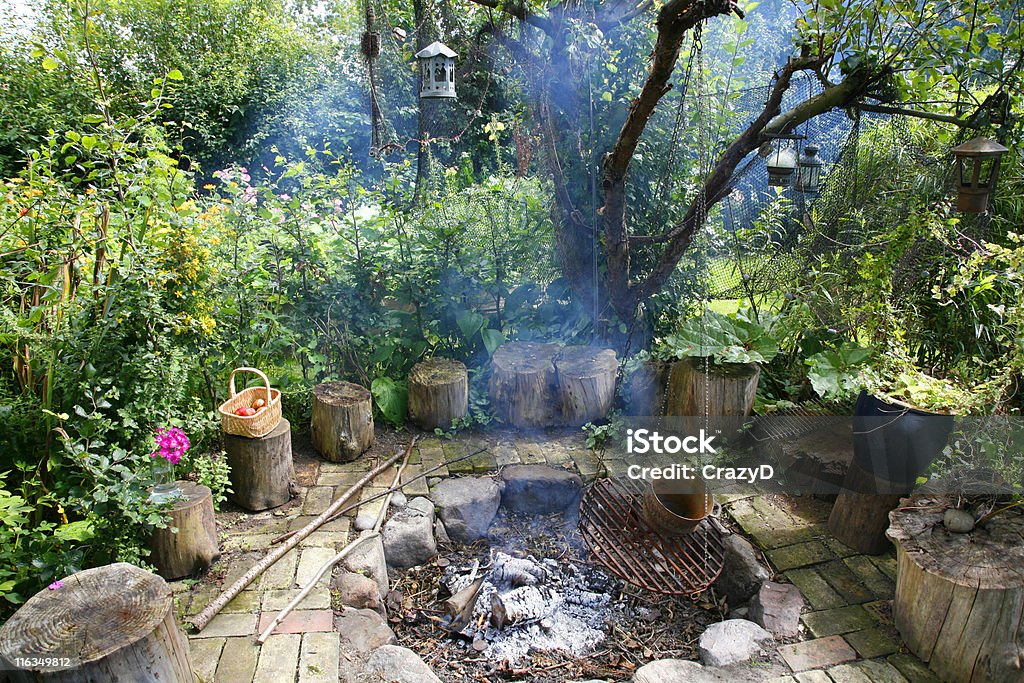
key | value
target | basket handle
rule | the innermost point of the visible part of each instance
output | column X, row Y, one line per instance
column 231, row 380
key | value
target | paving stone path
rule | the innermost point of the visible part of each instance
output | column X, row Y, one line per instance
column 849, row 595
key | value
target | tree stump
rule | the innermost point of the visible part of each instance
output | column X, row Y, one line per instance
column 646, row 389
column 111, row 623
column 523, row 384
column 586, row 383
column 860, row 514
column 342, row 421
column 261, row 469
column 438, row 393
column 959, row 597
column 718, row 401
column 194, row 547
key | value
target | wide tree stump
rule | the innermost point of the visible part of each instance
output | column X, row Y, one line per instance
column 586, row 383
column 523, row 384
column 111, row 623
column 438, row 393
column 194, row 547
column 261, row 469
column 718, row 401
column 342, row 423
column 960, row 597
column 860, row 514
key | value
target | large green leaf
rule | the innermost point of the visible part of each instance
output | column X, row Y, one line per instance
column 391, row 399
column 726, row 339
column 469, row 323
column 492, row 340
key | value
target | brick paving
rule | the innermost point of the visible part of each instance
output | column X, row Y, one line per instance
column 850, row 635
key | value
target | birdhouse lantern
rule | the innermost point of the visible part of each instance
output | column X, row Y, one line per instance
column 781, row 165
column 437, row 69
column 978, row 163
column 808, row 172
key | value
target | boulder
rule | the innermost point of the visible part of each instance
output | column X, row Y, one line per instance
column 361, row 632
column 742, row 572
column 539, row 490
column 394, row 664
column 683, row 670
column 777, row 607
column 368, row 559
column 467, row 506
column 731, row 641
column 358, row 591
column 409, row 534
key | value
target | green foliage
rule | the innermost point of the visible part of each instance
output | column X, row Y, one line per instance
column 390, row 398
column 214, row 472
column 726, row 339
column 600, row 434
column 835, row 374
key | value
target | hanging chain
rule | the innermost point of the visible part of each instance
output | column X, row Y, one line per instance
column 696, row 49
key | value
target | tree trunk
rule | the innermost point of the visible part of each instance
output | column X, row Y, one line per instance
column 261, row 469
column 523, row 384
column 646, row 389
column 342, row 423
column 586, row 383
column 860, row 514
column 959, row 597
column 194, row 547
column 438, row 393
column 111, row 623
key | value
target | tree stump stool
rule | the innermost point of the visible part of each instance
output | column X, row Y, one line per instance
column 860, row 514
column 959, row 597
column 438, row 393
column 194, row 547
column 111, row 623
column 523, row 385
column 342, row 423
column 586, row 383
column 261, row 469
column 719, row 400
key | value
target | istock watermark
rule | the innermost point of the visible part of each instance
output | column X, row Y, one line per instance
column 748, row 475
column 644, row 441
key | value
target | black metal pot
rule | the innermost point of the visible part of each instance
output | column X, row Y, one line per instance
column 896, row 443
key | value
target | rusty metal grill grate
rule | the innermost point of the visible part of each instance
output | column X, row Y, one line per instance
column 619, row 539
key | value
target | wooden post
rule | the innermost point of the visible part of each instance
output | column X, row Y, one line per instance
column 523, row 384
column 261, row 469
column 860, row 514
column 111, row 623
column 959, row 597
column 586, row 383
column 438, row 393
column 342, row 421
column 194, row 547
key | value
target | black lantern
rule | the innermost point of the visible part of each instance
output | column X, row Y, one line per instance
column 978, row 162
column 437, row 69
column 808, row 172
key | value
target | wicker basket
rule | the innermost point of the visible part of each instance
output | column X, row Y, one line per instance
column 252, row 426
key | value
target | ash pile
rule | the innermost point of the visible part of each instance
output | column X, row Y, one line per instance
column 516, row 606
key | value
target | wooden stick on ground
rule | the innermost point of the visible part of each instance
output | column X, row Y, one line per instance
column 349, row 508
column 200, row 620
column 326, row 566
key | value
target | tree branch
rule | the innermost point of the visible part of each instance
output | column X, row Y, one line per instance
column 518, row 10
column 674, row 20
column 917, row 113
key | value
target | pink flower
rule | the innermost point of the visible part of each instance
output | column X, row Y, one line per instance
column 55, row 585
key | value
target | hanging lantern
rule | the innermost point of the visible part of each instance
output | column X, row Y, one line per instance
column 808, row 172
column 781, row 165
column 978, row 162
column 437, row 69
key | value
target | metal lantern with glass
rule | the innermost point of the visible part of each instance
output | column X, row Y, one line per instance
column 808, row 172
column 437, row 69
column 782, row 161
column 978, row 162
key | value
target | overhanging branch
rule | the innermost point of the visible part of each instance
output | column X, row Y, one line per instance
column 917, row 113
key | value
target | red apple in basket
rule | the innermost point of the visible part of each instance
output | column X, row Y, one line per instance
column 259, row 403
column 245, row 411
